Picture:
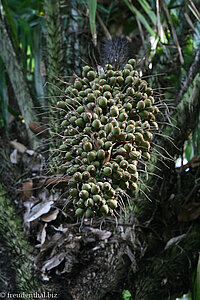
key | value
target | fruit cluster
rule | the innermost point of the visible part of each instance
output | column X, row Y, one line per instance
column 107, row 121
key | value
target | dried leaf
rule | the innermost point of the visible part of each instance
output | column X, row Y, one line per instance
column 194, row 162
column 50, row 216
column 102, row 234
column 108, row 155
column 39, row 210
column 174, row 240
column 42, row 235
column 53, row 262
column 20, row 147
column 14, row 157
column 27, row 190
column 36, row 128
column 190, row 212
column 58, row 181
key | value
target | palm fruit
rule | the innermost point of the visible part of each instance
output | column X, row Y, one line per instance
column 107, row 123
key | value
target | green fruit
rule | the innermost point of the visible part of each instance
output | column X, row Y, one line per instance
column 86, row 69
column 65, row 123
column 115, row 167
column 91, row 75
column 145, row 146
column 106, row 87
column 146, row 156
column 80, row 123
column 91, row 156
column 72, row 120
column 133, row 187
column 72, row 183
column 85, row 175
column 138, row 96
column 120, row 80
column 95, row 189
column 124, row 164
column 96, row 124
column 87, row 146
column 134, row 155
column 90, row 97
column 107, row 94
column 138, row 138
column 130, row 128
column 108, row 128
column 86, row 187
column 112, row 204
column 102, row 102
column 77, row 176
column 132, row 169
column 78, row 85
column 68, row 156
column 87, row 116
column 84, row 194
column 126, row 72
column 80, row 212
column 102, row 134
column 140, row 105
column 147, row 103
column 107, row 171
column 101, row 154
column 121, row 151
column 91, row 169
column 92, row 180
column 100, row 143
column 113, row 80
column 96, row 164
column 132, row 62
column 62, row 105
column 114, row 111
column 134, row 177
column 89, row 213
column 89, row 202
column 128, row 147
column 63, row 147
column 129, row 67
column 147, row 136
column 73, row 192
column 126, row 176
column 130, row 91
column 129, row 80
column 105, row 209
column 116, row 131
column 107, row 145
column 74, row 92
column 144, row 114
column 130, row 137
column 97, row 198
column 123, row 117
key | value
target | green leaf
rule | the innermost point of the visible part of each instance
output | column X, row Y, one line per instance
column 3, row 98
column 92, row 5
column 141, row 18
column 147, row 8
column 126, row 295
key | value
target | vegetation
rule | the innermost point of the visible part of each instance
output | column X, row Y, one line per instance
column 149, row 247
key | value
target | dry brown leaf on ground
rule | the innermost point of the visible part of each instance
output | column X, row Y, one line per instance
column 51, row 216
column 27, row 190
column 20, row 147
column 39, row 210
column 53, row 262
column 36, row 128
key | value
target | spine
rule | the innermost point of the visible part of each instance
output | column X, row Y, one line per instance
column 116, row 52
